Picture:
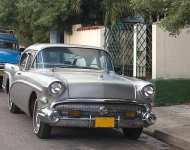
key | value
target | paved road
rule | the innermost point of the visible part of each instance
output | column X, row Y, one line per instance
column 16, row 134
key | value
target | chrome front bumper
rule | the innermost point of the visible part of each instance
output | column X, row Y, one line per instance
column 53, row 118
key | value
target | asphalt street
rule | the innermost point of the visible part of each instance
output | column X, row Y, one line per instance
column 16, row 134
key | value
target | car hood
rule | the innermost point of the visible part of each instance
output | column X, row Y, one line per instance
column 9, row 56
column 96, row 84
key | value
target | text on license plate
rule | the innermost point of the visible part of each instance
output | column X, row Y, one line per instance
column 105, row 122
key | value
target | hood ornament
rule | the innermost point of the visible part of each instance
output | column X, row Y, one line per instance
column 103, row 110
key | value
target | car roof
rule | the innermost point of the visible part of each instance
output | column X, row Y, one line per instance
column 38, row 47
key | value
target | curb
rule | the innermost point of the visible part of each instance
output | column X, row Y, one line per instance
column 169, row 139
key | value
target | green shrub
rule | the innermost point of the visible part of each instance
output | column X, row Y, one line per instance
column 172, row 92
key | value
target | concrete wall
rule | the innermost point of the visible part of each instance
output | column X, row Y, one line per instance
column 91, row 36
column 170, row 54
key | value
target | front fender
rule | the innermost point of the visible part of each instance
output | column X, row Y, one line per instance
column 20, row 92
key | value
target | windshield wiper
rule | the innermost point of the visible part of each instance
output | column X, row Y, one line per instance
column 85, row 67
column 65, row 66
column 73, row 66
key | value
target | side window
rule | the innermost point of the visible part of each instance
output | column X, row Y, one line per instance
column 23, row 61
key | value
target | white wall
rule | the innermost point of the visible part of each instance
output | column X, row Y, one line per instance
column 92, row 37
column 170, row 54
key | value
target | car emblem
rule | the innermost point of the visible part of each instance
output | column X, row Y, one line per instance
column 103, row 110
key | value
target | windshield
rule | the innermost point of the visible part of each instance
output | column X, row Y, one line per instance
column 66, row 57
column 8, row 45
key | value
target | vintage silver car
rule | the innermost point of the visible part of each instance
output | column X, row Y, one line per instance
column 76, row 86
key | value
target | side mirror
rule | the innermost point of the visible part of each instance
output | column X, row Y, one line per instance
column 12, row 67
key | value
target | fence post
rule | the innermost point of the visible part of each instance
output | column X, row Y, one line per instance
column 135, row 51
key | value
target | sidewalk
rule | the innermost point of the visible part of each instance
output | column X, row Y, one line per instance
column 172, row 126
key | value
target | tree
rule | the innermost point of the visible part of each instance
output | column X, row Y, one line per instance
column 91, row 12
column 113, row 10
column 33, row 19
column 151, row 10
column 55, row 14
column 8, row 12
column 24, row 30
column 38, row 17
column 178, row 16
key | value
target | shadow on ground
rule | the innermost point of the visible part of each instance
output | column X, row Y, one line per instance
column 85, row 133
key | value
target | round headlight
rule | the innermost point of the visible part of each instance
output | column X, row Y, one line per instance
column 148, row 91
column 56, row 88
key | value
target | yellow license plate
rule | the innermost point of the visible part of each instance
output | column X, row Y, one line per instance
column 105, row 122
column 1, row 72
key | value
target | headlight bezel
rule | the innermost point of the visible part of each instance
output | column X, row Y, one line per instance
column 148, row 91
column 53, row 91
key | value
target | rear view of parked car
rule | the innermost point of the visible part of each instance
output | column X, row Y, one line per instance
column 76, row 86
column 9, row 49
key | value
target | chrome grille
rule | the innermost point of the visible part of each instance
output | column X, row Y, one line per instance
column 95, row 108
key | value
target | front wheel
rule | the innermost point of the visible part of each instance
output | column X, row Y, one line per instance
column 42, row 130
column 132, row 133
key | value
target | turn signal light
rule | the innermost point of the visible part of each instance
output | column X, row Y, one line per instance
column 74, row 114
column 131, row 114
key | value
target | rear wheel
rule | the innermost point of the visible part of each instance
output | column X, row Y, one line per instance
column 12, row 107
column 132, row 133
column 42, row 130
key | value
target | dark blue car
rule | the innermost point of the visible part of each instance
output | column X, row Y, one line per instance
column 9, row 50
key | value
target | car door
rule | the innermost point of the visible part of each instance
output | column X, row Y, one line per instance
column 20, row 89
